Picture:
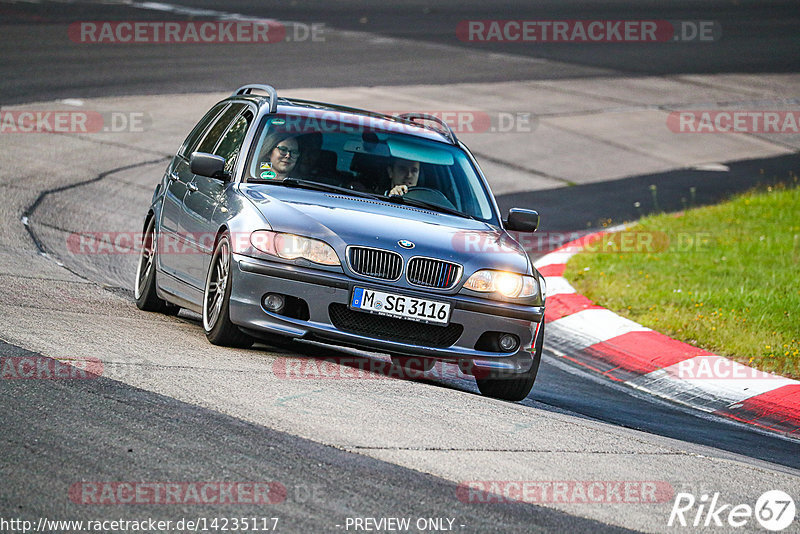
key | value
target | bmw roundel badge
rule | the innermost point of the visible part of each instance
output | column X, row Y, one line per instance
column 405, row 243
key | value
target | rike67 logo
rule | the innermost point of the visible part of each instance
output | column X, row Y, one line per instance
column 774, row 510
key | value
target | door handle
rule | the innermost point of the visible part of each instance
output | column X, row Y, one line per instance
column 192, row 187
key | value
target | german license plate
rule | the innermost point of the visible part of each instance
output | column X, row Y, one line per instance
column 400, row 306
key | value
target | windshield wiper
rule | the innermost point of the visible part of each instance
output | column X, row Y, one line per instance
column 328, row 188
column 399, row 199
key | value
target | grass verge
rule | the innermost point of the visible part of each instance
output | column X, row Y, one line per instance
column 725, row 278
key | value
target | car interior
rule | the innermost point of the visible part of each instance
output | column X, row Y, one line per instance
column 359, row 162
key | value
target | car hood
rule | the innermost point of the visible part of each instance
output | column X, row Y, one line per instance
column 343, row 220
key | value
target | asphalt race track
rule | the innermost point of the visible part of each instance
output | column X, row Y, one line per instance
column 171, row 408
column 41, row 64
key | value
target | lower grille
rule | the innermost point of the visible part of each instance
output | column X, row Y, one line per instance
column 391, row 329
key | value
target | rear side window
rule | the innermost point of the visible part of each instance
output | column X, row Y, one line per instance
column 191, row 142
column 231, row 143
column 218, row 129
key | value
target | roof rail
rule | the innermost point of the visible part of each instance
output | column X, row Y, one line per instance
column 447, row 131
column 273, row 94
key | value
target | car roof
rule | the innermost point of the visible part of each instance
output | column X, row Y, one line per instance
column 406, row 123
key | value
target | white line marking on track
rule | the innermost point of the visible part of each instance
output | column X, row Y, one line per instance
column 587, row 327
column 558, row 285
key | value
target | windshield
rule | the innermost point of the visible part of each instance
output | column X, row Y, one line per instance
column 367, row 161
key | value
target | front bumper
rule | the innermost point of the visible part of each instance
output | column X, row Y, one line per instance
column 252, row 278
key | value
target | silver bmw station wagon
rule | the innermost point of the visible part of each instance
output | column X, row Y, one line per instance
column 288, row 218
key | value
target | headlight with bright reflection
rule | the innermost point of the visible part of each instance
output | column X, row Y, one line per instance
column 511, row 285
column 292, row 247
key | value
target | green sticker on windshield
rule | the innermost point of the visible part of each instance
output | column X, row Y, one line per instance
column 268, row 175
column 278, row 121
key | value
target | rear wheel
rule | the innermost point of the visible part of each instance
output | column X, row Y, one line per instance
column 216, row 300
column 145, row 289
column 514, row 387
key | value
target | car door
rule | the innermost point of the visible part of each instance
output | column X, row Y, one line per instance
column 179, row 176
column 205, row 197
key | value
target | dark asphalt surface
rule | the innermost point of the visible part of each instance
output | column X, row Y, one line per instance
column 756, row 36
column 40, row 62
column 57, row 433
column 54, row 430
column 577, row 208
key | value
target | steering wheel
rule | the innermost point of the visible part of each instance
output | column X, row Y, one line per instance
column 427, row 194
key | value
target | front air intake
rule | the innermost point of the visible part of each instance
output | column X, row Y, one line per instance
column 428, row 272
column 375, row 262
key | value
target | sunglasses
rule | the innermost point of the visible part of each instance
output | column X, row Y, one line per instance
column 285, row 151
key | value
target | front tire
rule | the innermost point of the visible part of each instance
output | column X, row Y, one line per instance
column 514, row 387
column 216, row 300
column 145, row 289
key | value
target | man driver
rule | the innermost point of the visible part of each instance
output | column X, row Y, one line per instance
column 403, row 173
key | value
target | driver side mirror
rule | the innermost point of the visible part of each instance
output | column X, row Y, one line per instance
column 209, row 165
column 522, row 220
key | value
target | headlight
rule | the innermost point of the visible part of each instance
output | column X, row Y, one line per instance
column 511, row 285
column 292, row 247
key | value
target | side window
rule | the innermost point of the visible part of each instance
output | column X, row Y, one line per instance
column 231, row 143
column 212, row 137
column 190, row 144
